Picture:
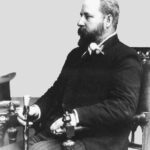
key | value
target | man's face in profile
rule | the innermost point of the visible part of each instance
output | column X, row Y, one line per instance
column 91, row 25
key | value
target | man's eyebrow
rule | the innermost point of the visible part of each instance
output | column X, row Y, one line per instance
column 85, row 13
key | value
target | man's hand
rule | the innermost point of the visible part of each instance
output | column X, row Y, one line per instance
column 34, row 114
column 57, row 127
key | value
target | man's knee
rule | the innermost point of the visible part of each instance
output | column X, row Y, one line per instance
column 46, row 145
column 54, row 144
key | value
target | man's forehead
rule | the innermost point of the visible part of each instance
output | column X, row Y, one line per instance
column 90, row 6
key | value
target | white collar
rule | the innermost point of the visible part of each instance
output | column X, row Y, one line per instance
column 108, row 37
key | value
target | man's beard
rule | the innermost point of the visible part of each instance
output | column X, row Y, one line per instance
column 88, row 37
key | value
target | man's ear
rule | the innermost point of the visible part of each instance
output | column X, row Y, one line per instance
column 108, row 19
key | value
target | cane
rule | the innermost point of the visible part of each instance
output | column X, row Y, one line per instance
column 26, row 127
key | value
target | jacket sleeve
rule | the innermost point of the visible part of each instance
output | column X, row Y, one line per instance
column 51, row 100
column 122, row 99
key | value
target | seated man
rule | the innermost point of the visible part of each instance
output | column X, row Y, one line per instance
column 99, row 84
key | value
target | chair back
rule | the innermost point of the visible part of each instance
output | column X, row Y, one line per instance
column 142, row 116
column 144, row 98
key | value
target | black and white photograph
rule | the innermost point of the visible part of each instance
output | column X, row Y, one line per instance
column 74, row 75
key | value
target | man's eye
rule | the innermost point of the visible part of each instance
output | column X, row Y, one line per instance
column 88, row 16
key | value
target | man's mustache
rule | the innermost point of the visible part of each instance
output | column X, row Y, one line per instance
column 81, row 31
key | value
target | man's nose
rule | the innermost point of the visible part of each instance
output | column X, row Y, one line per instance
column 81, row 22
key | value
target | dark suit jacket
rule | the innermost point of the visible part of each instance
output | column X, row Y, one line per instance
column 104, row 89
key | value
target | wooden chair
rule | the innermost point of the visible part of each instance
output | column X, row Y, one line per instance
column 142, row 118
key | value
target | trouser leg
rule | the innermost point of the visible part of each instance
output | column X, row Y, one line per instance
column 43, row 142
column 53, row 144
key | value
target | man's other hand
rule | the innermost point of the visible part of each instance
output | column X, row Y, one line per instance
column 58, row 128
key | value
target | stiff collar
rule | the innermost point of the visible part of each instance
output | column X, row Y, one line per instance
column 107, row 38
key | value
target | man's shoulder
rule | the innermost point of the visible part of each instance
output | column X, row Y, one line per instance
column 76, row 52
column 122, row 50
column 125, row 49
